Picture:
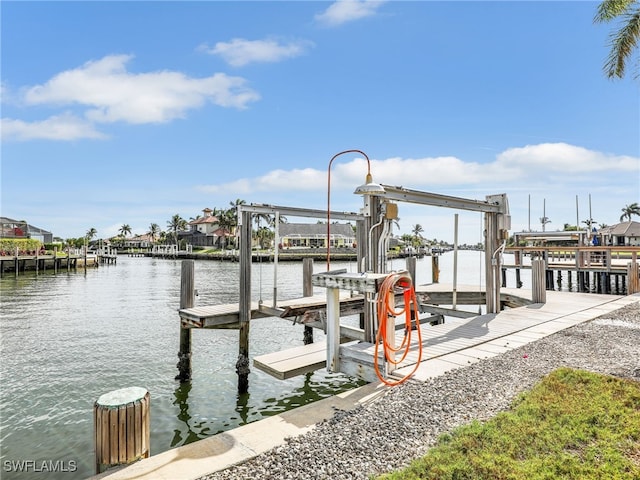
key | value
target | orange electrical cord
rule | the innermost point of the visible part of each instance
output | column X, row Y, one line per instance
column 385, row 309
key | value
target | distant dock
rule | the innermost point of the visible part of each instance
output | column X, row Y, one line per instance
column 21, row 263
column 602, row 269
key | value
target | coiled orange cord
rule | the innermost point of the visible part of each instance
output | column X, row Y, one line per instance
column 386, row 309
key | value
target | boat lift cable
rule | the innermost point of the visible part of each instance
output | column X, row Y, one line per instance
column 399, row 282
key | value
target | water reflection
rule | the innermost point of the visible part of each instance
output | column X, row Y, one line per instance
column 181, row 395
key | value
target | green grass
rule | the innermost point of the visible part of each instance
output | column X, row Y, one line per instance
column 572, row 425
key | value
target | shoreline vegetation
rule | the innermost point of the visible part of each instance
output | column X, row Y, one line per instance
column 572, row 424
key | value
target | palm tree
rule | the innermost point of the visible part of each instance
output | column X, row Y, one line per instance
column 589, row 222
column 154, row 231
column 623, row 41
column 124, row 230
column 227, row 221
column 233, row 214
column 417, row 234
column 264, row 234
column 91, row 233
column 259, row 217
column 175, row 225
column 629, row 210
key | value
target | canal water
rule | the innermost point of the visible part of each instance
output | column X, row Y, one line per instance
column 68, row 338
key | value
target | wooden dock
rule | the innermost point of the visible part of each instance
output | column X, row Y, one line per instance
column 453, row 344
column 40, row 263
column 311, row 311
column 601, row 269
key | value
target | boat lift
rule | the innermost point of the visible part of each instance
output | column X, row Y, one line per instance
column 372, row 231
column 379, row 203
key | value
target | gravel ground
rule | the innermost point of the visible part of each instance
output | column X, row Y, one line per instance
column 402, row 424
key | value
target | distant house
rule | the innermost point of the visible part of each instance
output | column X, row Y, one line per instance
column 138, row 241
column 205, row 231
column 621, row 234
column 10, row 228
column 314, row 235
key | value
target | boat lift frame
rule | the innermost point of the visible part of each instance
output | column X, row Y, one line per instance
column 497, row 224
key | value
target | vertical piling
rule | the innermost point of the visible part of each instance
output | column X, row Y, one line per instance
column 121, row 427
column 187, row 297
column 633, row 278
column 435, row 269
column 538, row 281
column 410, row 265
column 517, row 255
column 242, row 364
column 307, row 291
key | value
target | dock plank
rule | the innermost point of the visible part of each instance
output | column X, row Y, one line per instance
column 293, row 361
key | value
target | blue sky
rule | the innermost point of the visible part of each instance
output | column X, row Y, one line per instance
column 131, row 112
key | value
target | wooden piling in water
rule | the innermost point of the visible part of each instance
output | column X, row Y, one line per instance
column 242, row 364
column 307, row 291
column 187, row 300
column 121, row 427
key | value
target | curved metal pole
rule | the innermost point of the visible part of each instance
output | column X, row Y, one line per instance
column 329, row 195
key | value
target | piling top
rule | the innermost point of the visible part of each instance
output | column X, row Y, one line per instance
column 122, row 397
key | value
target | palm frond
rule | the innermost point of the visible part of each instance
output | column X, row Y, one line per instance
column 610, row 9
column 622, row 43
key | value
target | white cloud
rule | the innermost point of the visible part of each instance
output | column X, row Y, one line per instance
column 533, row 164
column 344, row 11
column 561, row 157
column 60, row 127
column 239, row 52
column 155, row 97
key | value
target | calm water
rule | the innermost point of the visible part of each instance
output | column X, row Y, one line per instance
column 68, row 338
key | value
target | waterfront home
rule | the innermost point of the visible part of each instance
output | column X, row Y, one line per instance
column 205, row 231
column 10, row 228
column 314, row 235
column 621, row 234
column 138, row 241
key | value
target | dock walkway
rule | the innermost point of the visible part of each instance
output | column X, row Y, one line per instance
column 448, row 347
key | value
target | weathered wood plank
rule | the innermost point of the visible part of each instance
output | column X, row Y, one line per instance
column 293, row 361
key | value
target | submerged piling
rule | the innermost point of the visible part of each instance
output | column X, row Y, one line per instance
column 187, row 298
column 307, row 291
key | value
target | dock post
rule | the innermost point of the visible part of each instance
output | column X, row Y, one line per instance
column 633, row 278
column 17, row 262
column 187, row 297
column 410, row 265
column 121, row 427
column 307, row 291
column 538, row 281
column 435, row 269
column 333, row 330
column 244, row 307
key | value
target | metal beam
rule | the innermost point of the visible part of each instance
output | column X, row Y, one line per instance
column 298, row 212
column 402, row 194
